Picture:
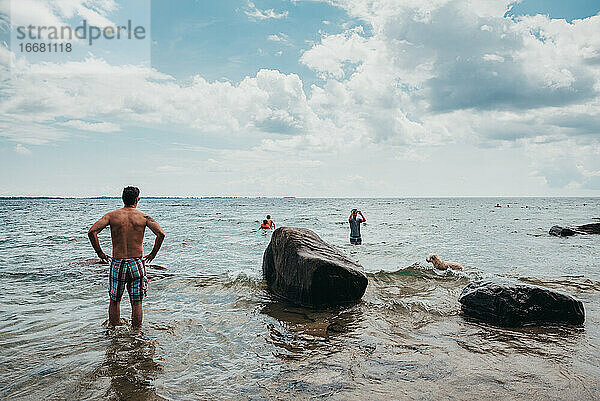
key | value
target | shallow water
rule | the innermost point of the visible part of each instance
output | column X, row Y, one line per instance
column 212, row 331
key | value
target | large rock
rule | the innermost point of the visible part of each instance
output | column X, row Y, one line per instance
column 559, row 231
column 592, row 228
column 517, row 304
column 302, row 268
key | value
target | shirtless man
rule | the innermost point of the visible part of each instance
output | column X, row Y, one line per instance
column 127, row 268
column 270, row 222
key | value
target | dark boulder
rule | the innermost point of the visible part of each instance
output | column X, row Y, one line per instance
column 517, row 304
column 302, row 268
column 592, row 228
column 558, row 231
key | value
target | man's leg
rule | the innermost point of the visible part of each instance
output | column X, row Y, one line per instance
column 114, row 313
column 136, row 314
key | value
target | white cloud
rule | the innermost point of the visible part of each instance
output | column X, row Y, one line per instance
column 24, row 130
column 280, row 37
column 414, row 76
column 254, row 13
column 22, row 150
column 425, row 75
column 55, row 13
column 330, row 57
column 493, row 57
column 112, row 97
column 87, row 126
column 169, row 169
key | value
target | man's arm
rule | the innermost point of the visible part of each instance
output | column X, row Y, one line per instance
column 160, row 236
column 364, row 219
column 93, row 236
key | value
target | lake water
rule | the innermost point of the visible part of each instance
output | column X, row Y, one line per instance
column 212, row 331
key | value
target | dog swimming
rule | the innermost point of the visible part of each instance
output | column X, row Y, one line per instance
column 441, row 265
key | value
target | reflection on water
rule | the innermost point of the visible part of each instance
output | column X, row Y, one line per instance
column 130, row 366
column 212, row 331
column 298, row 330
column 127, row 371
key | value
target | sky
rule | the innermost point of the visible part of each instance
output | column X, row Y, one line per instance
column 306, row 98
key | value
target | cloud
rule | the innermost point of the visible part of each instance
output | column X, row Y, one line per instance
column 95, row 96
column 169, row 169
column 441, row 72
column 572, row 162
column 87, row 126
column 493, row 57
column 22, row 150
column 444, row 53
column 254, row 13
column 24, row 130
column 410, row 77
column 593, row 183
column 280, row 37
column 56, row 13
column 335, row 54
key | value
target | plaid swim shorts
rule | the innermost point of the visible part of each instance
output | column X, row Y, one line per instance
column 127, row 273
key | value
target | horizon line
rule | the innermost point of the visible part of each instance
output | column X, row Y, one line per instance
column 50, row 197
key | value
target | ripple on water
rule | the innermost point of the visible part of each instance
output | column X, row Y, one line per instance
column 213, row 331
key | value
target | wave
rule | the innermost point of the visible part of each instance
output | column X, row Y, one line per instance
column 417, row 270
column 566, row 283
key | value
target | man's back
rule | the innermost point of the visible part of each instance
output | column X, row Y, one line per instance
column 127, row 227
column 127, row 269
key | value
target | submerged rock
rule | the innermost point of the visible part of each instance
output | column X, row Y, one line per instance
column 592, row 228
column 517, row 304
column 302, row 268
column 558, row 231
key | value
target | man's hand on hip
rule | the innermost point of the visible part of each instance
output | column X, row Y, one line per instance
column 150, row 257
column 104, row 258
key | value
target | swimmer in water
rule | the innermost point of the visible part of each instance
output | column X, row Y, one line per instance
column 270, row 222
column 264, row 226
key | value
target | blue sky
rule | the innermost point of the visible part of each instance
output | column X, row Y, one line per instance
column 306, row 98
column 217, row 40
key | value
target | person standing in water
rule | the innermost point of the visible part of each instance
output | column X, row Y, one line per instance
column 127, row 267
column 270, row 222
column 355, row 220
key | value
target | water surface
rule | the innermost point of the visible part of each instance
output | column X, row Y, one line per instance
column 212, row 331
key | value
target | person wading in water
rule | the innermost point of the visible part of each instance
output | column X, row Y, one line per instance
column 355, row 220
column 127, row 267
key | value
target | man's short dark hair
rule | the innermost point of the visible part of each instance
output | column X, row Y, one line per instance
column 268, row 216
column 130, row 195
